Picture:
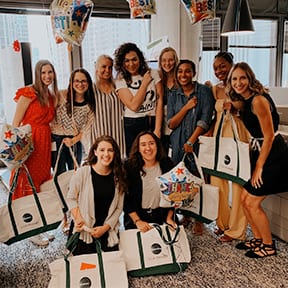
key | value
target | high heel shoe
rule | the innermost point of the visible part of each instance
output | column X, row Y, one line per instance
column 264, row 250
column 249, row 244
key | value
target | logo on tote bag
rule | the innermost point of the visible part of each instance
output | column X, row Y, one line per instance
column 85, row 282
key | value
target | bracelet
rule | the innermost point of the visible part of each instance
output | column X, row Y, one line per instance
column 137, row 221
column 190, row 143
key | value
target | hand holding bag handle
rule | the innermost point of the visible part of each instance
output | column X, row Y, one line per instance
column 9, row 205
column 76, row 166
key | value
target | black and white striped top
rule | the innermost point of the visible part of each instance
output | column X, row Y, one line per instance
column 109, row 118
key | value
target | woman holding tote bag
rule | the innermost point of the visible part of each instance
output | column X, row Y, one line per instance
column 231, row 222
column 95, row 197
column 269, row 157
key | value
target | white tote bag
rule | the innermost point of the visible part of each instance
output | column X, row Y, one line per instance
column 101, row 270
column 157, row 251
column 178, row 186
column 29, row 215
column 225, row 157
column 61, row 182
column 204, row 206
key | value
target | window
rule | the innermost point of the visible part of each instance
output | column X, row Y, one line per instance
column 104, row 35
column 257, row 49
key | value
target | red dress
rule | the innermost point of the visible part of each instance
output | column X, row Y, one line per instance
column 39, row 162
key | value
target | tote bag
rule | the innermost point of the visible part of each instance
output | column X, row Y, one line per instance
column 204, row 206
column 16, row 145
column 178, row 186
column 29, row 215
column 101, row 270
column 157, row 251
column 225, row 157
column 60, row 183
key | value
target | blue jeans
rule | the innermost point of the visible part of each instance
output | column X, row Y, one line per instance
column 133, row 126
column 65, row 161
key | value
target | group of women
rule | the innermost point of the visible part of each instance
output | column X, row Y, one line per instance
column 139, row 118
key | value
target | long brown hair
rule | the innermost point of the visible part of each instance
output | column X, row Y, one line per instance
column 116, row 164
column 254, row 84
column 39, row 86
column 135, row 158
column 89, row 97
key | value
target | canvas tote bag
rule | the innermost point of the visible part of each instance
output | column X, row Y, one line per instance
column 204, row 206
column 101, row 270
column 225, row 157
column 61, row 182
column 29, row 215
column 157, row 251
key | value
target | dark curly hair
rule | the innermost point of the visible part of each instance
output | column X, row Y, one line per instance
column 119, row 57
column 89, row 96
column 116, row 164
column 135, row 159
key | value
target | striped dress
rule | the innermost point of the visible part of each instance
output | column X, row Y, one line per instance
column 109, row 118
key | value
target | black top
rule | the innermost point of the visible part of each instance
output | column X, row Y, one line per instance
column 104, row 190
column 133, row 199
column 251, row 121
column 274, row 174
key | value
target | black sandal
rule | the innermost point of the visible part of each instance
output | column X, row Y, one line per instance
column 250, row 244
column 262, row 251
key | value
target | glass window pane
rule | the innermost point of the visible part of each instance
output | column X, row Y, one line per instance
column 25, row 28
column 104, row 35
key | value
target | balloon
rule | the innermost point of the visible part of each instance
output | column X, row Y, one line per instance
column 141, row 8
column 199, row 10
column 70, row 19
column 15, row 145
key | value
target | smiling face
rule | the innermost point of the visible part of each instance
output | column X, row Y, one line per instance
column 148, row 148
column 80, row 83
column 104, row 68
column 104, row 153
column 221, row 68
column 132, row 63
column 185, row 74
column 240, row 82
column 47, row 75
column 168, row 61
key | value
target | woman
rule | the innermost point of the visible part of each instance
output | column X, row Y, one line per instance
column 147, row 160
column 231, row 222
column 269, row 157
column 109, row 109
column 74, row 115
column 72, row 122
column 140, row 90
column 168, row 60
column 95, row 197
column 36, row 106
column 190, row 111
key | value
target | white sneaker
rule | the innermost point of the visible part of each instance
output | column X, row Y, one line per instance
column 40, row 240
column 49, row 236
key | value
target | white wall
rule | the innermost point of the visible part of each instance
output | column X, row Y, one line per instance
column 172, row 20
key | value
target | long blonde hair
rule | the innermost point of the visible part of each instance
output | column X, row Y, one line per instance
column 97, row 66
column 162, row 73
column 40, row 87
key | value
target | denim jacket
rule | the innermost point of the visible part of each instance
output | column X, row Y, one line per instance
column 200, row 116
